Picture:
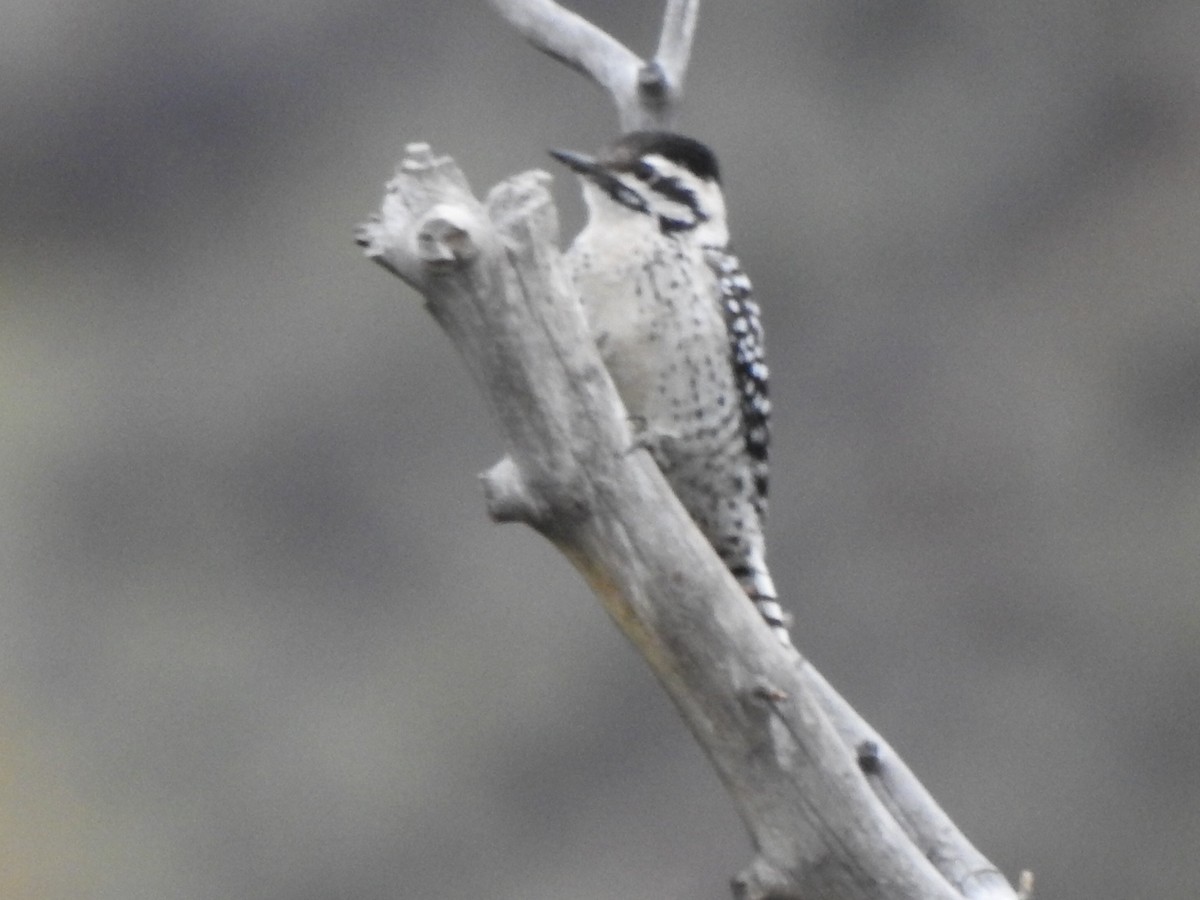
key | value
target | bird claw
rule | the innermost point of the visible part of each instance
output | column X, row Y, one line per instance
column 658, row 442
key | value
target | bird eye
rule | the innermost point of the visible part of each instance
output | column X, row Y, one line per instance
column 645, row 171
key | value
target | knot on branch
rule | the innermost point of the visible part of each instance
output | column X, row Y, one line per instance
column 870, row 757
column 444, row 241
column 508, row 496
column 551, row 504
column 653, row 85
column 430, row 224
column 761, row 881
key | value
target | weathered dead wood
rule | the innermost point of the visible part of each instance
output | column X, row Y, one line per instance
column 790, row 751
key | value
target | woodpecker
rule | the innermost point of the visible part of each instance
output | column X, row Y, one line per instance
column 674, row 319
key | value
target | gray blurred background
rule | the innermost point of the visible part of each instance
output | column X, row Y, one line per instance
column 258, row 636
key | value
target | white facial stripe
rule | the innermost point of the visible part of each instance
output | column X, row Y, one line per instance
column 670, row 191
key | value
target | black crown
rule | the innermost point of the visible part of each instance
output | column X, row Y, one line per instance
column 687, row 152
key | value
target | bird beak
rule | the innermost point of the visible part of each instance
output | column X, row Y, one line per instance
column 602, row 177
column 585, row 165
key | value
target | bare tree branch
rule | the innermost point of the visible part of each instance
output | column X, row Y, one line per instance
column 573, row 40
column 646, row 93
column 492, row 277
column 675, row 42
column 907, row 800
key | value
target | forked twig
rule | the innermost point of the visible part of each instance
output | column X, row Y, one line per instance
column 646, row 92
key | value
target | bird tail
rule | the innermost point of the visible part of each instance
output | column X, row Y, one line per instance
column 761, row 589
column 775, row 617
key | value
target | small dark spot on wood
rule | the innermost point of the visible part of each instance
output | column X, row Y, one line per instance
column 869, row 760
column 764, row 690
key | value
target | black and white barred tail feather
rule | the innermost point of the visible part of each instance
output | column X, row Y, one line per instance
column 743, row 323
